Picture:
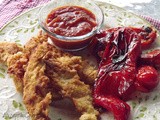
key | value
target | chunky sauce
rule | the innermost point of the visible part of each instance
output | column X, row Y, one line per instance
column 71, row 21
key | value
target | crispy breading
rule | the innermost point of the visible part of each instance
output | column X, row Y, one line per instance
column 31, row 45
column 36, row 93
column 86, row 68
column 88, row 72
column 89, row 67
column 16, row 69
column 17, row 57
column 18, row 62
column 62, row 69
column 8, row 49
column 43, row 74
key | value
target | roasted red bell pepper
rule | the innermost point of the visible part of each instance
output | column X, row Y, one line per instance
column 121, row 67
column 117, row 71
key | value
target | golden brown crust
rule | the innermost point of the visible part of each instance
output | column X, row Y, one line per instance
column 43, row 74
column 7, row 50
column 62, row 69
column 36, row 95
column 16, row 65
column 18, row 62
column 31, row 45
column 88, row 73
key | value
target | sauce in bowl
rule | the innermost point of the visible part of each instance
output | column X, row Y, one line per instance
column 71, row 21
column 71, row 24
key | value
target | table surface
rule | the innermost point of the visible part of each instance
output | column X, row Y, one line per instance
column 143, row 7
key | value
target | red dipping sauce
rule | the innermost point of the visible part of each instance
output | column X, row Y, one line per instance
column 71, row 21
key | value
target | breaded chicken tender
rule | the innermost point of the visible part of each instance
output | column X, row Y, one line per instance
column 36, row 92
column 51, row 66
column 64, row 74
column 7, row 51
column 18, row 62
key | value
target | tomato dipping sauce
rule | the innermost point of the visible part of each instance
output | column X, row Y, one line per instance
column 71, row 21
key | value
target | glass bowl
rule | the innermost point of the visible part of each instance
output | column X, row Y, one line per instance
column 72, row 43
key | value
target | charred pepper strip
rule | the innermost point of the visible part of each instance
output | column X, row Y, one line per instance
column 147, row 36
column 117, row 71
column 120, row 109
column 151, row 58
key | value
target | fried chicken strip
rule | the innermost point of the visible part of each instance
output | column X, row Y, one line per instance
column 17, row 63
column 7, row 51
column 36, row 93
column 62, row 69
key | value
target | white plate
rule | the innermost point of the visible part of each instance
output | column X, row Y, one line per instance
column 19, row 30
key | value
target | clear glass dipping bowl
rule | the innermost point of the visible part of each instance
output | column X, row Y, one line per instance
column 71, row 43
